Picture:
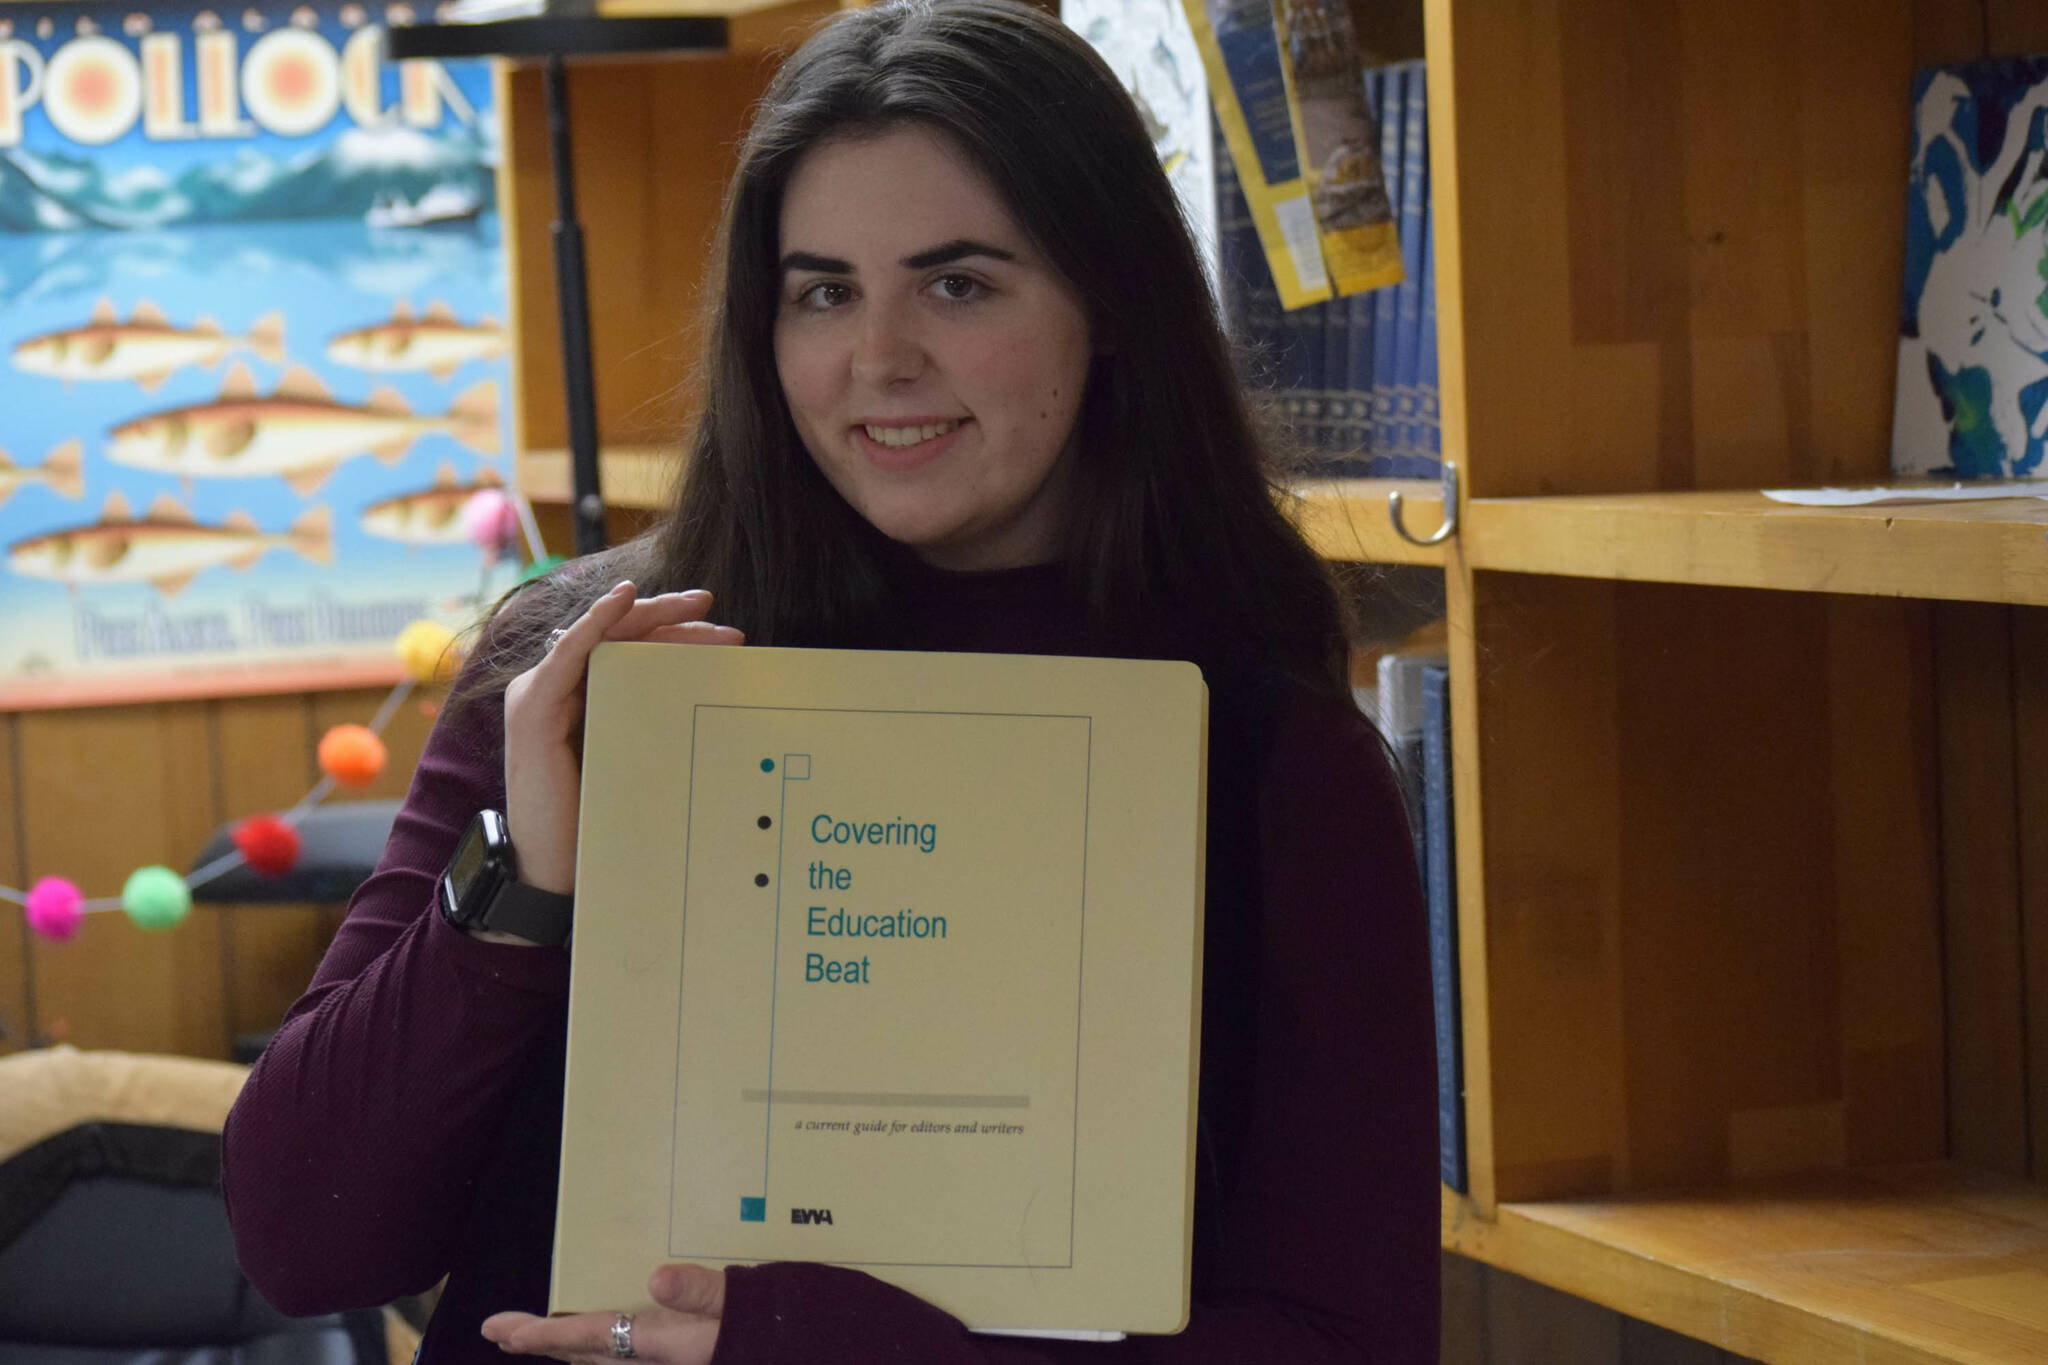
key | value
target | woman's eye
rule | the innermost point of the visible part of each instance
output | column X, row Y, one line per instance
column 822, row 295
column 959, row 288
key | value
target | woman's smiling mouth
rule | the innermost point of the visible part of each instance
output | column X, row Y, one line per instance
column 900, row 435
column 893, row 449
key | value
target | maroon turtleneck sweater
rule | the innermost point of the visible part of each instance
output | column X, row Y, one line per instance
column 405, row 1122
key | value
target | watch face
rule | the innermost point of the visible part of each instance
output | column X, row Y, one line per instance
column 474, row 872
column 469, row 859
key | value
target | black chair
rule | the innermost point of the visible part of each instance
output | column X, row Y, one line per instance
column 114, row 1241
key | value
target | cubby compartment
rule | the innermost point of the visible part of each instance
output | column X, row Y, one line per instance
column 1746, row 960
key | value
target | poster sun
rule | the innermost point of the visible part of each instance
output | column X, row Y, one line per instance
column 252, row 356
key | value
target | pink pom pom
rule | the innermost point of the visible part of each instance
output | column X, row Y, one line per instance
column 55, row 908
column 267, row 844
column 490, row 521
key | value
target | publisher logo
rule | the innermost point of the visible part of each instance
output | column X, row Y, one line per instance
column 811, row 1216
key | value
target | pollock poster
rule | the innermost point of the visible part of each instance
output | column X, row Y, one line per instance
column 252, row 351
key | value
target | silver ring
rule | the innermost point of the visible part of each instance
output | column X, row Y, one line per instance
column 555, row 638
column 622, row 1337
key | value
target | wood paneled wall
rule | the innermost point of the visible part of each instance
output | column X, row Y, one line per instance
column 1993, row 734
column 1712, row 921
column 1771, row 869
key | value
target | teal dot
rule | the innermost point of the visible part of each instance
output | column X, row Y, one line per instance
column 767, row 765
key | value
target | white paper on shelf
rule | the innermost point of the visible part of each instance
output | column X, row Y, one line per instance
column 1053, row 1334
column 1866, row 497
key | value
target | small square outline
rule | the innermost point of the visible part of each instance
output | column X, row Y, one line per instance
column 753, row 1208
column 796, row 767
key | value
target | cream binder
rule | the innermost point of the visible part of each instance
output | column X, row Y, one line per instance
column 892, row 961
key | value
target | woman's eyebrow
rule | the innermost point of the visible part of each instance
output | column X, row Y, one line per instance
column 944, row 254
column 957, row 249
column 824, row 265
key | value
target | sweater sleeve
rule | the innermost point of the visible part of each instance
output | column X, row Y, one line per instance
column 1329, row 1216
column 348, row 1160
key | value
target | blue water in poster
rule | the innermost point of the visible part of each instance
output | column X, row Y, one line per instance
column 246, row 382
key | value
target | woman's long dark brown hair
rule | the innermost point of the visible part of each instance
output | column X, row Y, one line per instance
column 1178, row 546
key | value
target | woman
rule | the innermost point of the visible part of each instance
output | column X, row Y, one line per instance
column 965, row 390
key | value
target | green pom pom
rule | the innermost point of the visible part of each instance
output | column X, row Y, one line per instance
column 544, row 565
column 156, row 898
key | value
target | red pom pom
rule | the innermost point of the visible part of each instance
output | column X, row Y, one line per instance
column 352, row 755
column 268, row 844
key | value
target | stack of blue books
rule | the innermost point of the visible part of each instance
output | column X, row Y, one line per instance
column 1355, row 378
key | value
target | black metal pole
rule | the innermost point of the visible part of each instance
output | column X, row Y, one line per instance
column 572, row 292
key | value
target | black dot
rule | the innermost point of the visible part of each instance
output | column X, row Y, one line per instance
column 764, row 822
column 760, row 879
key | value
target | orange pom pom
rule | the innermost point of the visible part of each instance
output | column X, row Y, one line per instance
column 352, row 755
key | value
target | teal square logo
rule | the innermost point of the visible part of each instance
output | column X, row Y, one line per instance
column 753, row 1209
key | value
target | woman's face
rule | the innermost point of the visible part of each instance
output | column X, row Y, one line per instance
column 932, row 359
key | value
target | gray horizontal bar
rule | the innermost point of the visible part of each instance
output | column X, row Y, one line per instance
column 894, row 1099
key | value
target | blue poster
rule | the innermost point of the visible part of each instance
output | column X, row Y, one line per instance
column 252, row 293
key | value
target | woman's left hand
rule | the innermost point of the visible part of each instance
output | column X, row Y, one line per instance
column 683, row 1331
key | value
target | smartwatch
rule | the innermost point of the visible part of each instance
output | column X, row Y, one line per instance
column 481, row 888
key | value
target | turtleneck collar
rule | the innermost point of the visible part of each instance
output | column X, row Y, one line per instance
column 1034, row 609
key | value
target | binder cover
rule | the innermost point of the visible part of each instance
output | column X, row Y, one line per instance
column 893, row 961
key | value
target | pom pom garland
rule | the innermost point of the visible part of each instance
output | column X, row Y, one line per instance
column 268, row 844
column 55, row 908
column 156, row 898
column 352, row 755
column 427, row 649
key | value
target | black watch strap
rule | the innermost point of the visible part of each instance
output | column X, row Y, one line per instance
column 538, row 916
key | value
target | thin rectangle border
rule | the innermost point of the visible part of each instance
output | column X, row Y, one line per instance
column 1087, row 813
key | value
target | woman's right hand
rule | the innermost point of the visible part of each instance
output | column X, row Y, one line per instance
column 544, row 721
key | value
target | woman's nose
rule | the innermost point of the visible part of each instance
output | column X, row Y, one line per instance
column 887, row 349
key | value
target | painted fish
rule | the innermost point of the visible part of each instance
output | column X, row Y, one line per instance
column 298, row 432
column 146, row 348
column 435, row 342
column 63, row 470
column 428, row 516
column 166, row 547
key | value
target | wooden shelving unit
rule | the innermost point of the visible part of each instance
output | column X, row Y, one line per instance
column 1752, row 799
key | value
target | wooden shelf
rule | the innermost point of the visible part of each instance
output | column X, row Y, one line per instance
column 632, row 476
column 1975, row 551
column 1901, row 1265
column 1343, row 519
column 1347, row 519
